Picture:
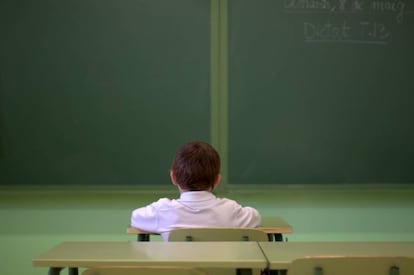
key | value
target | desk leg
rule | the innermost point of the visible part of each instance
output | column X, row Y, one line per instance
column 73, row 271
column 275, row 237
column 54, row 270
column 276, row 272
column 278, row 237
column 143, row 237
column 244, row 271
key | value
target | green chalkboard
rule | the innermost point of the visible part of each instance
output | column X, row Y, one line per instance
column 101, row 91
column 321, row 92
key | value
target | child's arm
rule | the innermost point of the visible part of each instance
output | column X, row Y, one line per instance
column 146, row 218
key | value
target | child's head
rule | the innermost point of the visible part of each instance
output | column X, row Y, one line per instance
column 196, row 167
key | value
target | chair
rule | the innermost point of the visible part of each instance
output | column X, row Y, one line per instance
column 352, row 265
column 212, row 234
column 217, row 234
column 143, row 270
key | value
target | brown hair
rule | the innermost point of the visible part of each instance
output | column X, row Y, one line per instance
column 196, row 166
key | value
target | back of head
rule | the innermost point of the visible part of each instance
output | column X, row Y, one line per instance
column 196, row 166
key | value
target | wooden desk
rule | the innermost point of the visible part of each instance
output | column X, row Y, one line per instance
column 237, row 255
column 280, row 255
column 275, row 227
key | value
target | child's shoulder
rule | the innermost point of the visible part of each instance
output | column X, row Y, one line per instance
column 227, row 200
column 163, row 201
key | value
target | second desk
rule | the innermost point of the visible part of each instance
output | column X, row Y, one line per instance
column 275, row 227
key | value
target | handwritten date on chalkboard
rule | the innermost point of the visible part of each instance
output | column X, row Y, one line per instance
column 348, row 21
column 364, row 32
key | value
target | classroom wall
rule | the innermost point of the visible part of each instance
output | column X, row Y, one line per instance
column 33, row 222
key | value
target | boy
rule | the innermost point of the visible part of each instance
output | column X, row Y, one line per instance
column 196, row 172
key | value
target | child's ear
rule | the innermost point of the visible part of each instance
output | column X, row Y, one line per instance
column 172, row 176
column 218, row 179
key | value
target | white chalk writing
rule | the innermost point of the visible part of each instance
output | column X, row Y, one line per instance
column 352, row 21
column 365, row 32
column 396, row 7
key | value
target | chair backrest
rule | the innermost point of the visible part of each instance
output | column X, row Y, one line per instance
column 352, row 265
column 217, row 234
column 143, row 270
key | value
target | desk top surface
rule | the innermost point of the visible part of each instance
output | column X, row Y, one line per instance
column 200, row 254
column 281, row 254
column 269, row 225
